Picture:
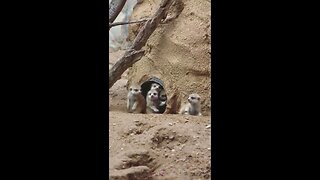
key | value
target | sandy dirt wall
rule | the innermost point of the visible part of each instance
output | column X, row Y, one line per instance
column 179, row 51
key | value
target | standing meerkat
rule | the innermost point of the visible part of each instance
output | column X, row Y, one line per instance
column 152, row 101
column 193, row 107
column 135, row 100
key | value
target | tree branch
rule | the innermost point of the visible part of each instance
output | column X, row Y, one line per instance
column 135, row 53
column 122, row 23
column 115, row 8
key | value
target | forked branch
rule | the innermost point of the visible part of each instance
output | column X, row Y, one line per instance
column 134, row 53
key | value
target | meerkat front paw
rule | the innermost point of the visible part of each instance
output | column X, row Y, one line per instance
column 155, row 109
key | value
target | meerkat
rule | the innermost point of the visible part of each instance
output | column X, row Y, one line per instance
column 152, row 101
column 193, row 107
column 155, row 86
column 135, row 101
column 161, row 92
column 162, row 97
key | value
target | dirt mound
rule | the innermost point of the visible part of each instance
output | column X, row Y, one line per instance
column 178, row 52
column 165, row 146
column 162, row 146
column 133, row 165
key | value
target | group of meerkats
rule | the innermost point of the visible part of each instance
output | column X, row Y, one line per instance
column 156, row 97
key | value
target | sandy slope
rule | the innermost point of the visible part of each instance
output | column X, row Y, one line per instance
column 156, row 146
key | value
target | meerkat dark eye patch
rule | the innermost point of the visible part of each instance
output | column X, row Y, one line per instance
column 193, row 98
column 136, row 90
column 198, row 98
column 154, row 94
column 130, row 89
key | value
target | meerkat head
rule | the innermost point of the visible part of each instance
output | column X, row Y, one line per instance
column 135, row 89
column 153, row 94
column 163, row 95
column 194, row 99
column 155, row 86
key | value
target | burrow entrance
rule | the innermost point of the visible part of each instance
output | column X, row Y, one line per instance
column 146, row 86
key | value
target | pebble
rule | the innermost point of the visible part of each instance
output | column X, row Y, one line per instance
column 209, row 126
column 114, row 124
column 170, row 124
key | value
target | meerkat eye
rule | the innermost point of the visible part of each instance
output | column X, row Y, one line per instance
column 130, row 89
column 149, row 93
column 136, row 90
column 193, row 98
column 199, row 99
column 154, row 94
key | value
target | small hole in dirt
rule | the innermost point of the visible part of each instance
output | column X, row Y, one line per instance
column 146, row 86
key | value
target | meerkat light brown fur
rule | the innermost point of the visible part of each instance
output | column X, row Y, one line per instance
column 152, row 101
column 135, row 100
column 193, row 107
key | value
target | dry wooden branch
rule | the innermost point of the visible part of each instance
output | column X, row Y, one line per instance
column 122, row 23
column 115, row 8
column 135, row 53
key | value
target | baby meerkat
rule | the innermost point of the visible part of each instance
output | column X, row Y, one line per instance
column 135, row 100
column 155, row 86
column 152, row 101
column 161, row 93
column 193, row 107
column 162, row 97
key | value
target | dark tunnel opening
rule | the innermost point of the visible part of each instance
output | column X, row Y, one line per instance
column 146, row 86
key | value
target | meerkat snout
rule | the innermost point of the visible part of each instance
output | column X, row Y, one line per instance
column 153, row 95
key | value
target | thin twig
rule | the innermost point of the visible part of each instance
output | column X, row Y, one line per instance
column 123, row 23
column 115, row 7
